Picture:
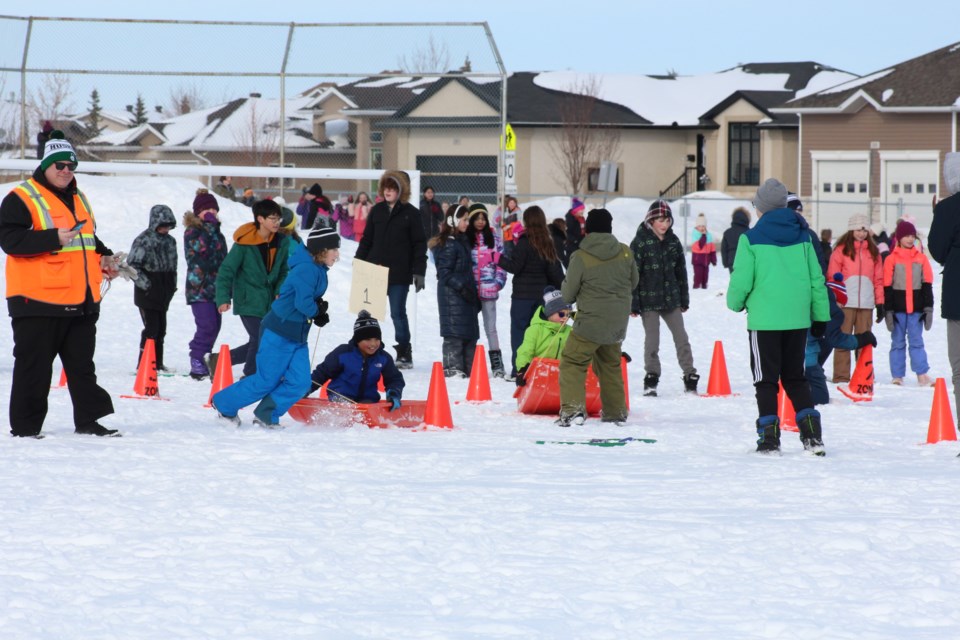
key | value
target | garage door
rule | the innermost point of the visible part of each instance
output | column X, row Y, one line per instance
column 842, row 188
column 914, row 182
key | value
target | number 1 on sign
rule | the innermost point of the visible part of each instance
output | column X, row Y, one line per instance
column 366, row 296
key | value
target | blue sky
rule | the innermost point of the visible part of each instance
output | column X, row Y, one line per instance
column 624, row 36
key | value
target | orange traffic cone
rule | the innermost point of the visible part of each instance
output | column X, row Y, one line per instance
column 63, row 379
column 719, row 383
column 146, row 384
column 223, row 376
column 437, row 413
column 626, row 383
column 380, row 386
column 941, row 415
column 323, row 391
column 788, row 417
column 479, row 388
column 860, row 388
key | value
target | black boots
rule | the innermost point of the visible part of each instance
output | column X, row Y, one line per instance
column 96, row 429
column 650, row 384
column 810, row 432
column 496, row 364
column 690, row 381
column 404, row 356
column 768, row 434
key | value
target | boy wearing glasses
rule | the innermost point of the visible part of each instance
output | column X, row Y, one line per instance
column 55, row 266
column 547, row 333
column 662, row 293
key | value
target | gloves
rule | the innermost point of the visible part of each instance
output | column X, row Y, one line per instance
column 927, row 317
column 818, row 328
column 866, row 338
column 393, row 396
column 418, row 283
column 321, row 319
column 521, row 379
column 880, row 313
column 889, row 317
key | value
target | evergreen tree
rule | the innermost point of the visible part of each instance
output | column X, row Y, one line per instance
column 139, row 112
column 93, row 124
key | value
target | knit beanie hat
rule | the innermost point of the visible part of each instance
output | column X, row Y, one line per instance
column 288, row 218
column 951, row 171
column 701, row 220
column 839, row 289
column 57, row 149
column 553, row 301
column 658, row 209
column 204, row 201
column 322, row 238
column 905, row 228
column 793, row 202
column 366, row 327
column 771, row 195
column 477, row 206
column 315, row 190
column 576, row 207
column 858, row 221
column 599, row 221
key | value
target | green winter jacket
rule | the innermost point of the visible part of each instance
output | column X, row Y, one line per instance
column 542, row 339
column 776, row 275
column 243, row 278
column 600, row 279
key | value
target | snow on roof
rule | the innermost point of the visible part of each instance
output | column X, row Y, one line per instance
column 124, row 137
column 681, row 99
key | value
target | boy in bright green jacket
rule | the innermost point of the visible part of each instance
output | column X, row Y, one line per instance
column 777, row 279
column 547, row 333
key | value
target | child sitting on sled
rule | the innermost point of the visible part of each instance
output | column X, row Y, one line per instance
column 354, row 368
column 547, row 333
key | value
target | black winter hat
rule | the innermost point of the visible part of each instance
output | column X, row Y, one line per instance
column 322, row 238
column 366, row 327
column 315, row 190
column 599, row 221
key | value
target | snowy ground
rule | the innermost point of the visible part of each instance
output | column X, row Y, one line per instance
column 186, row 528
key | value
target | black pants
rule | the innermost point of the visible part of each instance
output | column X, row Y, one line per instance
column 36, row 342
column 155, row 327
column 777, row 356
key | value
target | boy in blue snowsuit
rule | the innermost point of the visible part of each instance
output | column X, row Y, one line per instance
column 354, row 368
column 283, row 360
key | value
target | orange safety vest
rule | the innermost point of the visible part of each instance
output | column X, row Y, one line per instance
column 59, row 277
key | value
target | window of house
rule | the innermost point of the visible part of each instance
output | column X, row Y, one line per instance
column 931, row 188
column 919, row 188
column 895, row 187
column 863, row 187
column 376, row 137
column 907, row 187
column 851, row 188
column 376, row 158
column 593, row 179
column 838, row 187
column 743, row 151
column 288, row 183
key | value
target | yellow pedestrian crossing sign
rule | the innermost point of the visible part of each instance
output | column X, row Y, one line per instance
column 509, row 140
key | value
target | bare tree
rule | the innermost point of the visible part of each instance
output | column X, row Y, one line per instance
column 185, row 98
column 581, row 143
column 259, row 138
column 434, row 58
column 9, row 116
column 51, row 100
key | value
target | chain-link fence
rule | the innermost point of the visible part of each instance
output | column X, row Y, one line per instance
column 426, row 96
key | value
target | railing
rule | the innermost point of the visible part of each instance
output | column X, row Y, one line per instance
column 683, row 185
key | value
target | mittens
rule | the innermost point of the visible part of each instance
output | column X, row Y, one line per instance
column 927, row 318
column 889, row 317
column 393, row 396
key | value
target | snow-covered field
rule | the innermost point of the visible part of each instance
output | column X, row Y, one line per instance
column 186, row 528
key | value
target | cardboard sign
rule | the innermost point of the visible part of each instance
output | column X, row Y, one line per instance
column 368, row 290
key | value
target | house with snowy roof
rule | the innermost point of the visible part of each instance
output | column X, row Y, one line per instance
column 876, row 144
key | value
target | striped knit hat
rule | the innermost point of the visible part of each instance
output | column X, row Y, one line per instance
column 57, row 149
column 839, row 289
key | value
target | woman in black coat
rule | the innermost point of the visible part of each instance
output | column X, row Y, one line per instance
column 457, row 299
column 534, row 264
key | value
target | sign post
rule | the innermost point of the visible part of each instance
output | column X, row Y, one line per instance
column 509, row 142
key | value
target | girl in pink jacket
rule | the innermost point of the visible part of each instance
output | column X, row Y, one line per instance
column 856, row 257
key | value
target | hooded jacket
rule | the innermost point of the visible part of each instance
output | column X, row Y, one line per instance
column 204, row 248
column 542, row 339
column 776, row 275
column 728, row 245
column 601, row 280
column 393, row 236
column 663, row 271
column 154, row 256
column 244, row 277
column 296, row 304
column 862, row 275
column 944, row 238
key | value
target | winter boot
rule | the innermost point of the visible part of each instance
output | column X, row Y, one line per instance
column 452, row 354
column 96, row 429
column 808, row 421
column 212, row 359
column 618, row 419
column 768, row 432
column 198, row 370
column 690, row 381
column 570, row 419
column 234, row 419
column 650, row 384
column 404, row 356
column 496, row 364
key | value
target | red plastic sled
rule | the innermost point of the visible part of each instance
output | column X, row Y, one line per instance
column 376, row 416
column 541, row 394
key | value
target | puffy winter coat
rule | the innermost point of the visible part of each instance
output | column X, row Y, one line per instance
column 355, row 376
column 703, row 250
column 531, row 273
column 663, row 272
column 244, row 277
column 542, row 339
column 154, row 256
column 296, row 304
column 731, row 237
column 862, row 275
column 489, row 276
column 601, row 280
column 908, row 281
column 394, row 238
column 944, row 238
column 457, row 300
column 204, row 248
column 776, row 275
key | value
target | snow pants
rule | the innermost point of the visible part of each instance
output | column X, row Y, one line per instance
column 776, row 357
